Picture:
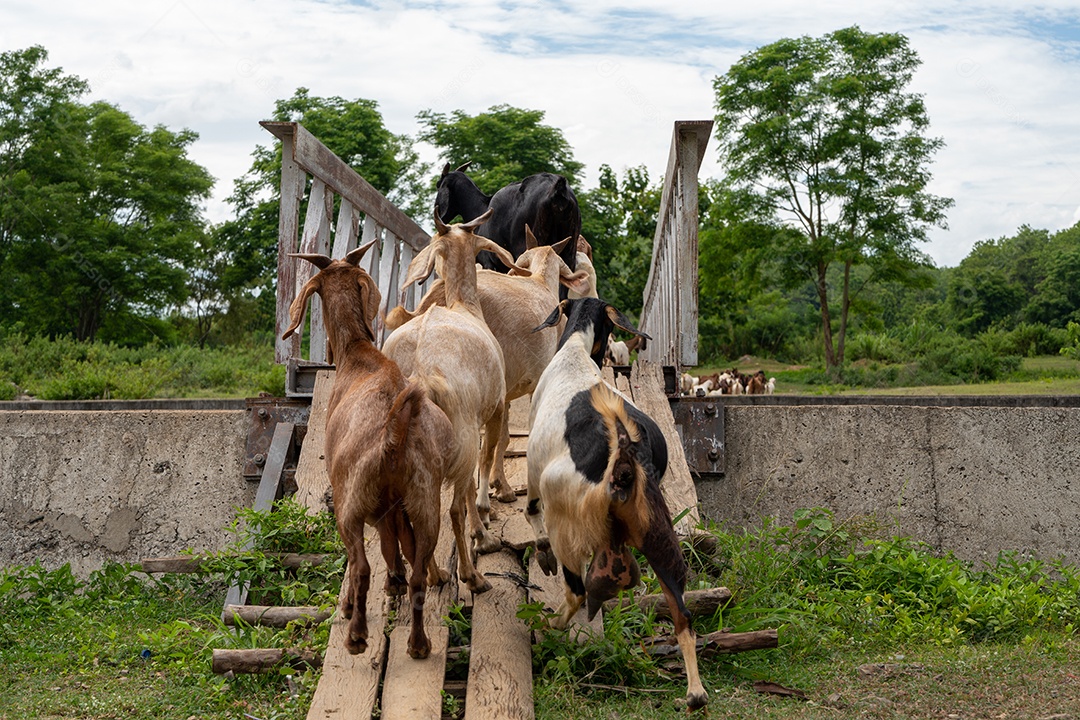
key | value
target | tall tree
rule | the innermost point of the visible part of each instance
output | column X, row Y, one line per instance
column 504, row 145
column 619, row 220
column 354, row 130
column 826, row 134
column 99, row 214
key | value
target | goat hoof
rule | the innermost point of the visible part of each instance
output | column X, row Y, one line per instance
column 442, row 578
column 696, row 701
column 547, row 562
column 478, row 584
column 356, row 646
column 506, row 494
column 488, row 544
column 420, row 651
column 396, row 585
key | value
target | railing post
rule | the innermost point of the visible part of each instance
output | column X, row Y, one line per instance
column 292, row 190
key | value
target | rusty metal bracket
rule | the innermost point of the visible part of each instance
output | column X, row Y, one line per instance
column 263, row 415
column 700, row 422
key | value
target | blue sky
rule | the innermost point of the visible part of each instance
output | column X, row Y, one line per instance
column 1001, row 79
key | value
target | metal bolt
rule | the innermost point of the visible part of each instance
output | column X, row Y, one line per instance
column 710, row 409
column 714, row 455
column 259, row 459
column 263, row 414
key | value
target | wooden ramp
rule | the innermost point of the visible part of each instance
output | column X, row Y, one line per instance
column 385, row 679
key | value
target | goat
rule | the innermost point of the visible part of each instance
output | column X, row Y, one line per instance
column 584, row 262
column 513, row 305
column 544, row 201
column 461, row 364
column 594, row 467
column 385, row 448
column 618, row 354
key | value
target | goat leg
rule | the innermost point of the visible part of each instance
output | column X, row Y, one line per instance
column 503, row 492
column 359, row 581
column 696, row 697
column 466, row 569
column 391, row 532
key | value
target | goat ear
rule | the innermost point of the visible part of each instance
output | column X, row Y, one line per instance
column 553, row 318
column 372, row 297
column 477, row 222
column 530, row 239
column 482, row 243
column 621, row 321
column 578, row 281
column 583, row 246
column 299, row 305
column 421, row 266
column 354, row 257
column 320, row 261
column 445, row 170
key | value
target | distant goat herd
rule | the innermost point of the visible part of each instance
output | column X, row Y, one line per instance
column 431, row 407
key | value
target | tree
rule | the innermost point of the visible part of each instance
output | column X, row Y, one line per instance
column 99, row 214
column 824, row 133
column 503, row 145
column 355, row 132
column 619, row 221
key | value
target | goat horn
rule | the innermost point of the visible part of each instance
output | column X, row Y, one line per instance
column 463, row 168
column 354, row 257
column 477, row 222
column 558, row 247
column 440, row 227
column 319, row 261
column 530, row 239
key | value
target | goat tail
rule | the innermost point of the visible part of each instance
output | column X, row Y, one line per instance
column 398, row 421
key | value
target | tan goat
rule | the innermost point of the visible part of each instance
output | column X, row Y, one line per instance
column 462, row 363
column 385, row 448
column 513, row 305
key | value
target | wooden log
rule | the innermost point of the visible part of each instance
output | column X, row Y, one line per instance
column 193, row 563
column 717, row 643
column 273, row 616
column 412, row 688
column 698, row 602
column 500, row 664
column 255, row 660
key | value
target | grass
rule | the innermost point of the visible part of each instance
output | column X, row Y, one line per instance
column 869, row 626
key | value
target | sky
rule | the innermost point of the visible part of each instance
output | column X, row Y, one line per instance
column 1000, row 79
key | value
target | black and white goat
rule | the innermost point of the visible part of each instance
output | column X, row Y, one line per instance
column 595, row 463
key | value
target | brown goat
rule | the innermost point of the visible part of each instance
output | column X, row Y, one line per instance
column 385, row 448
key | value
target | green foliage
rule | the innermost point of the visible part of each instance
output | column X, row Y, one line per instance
column 619, row 221
column 822, row 132
column 504, row 145
column 66, row 369
column 1071, row 347
column 98, row 214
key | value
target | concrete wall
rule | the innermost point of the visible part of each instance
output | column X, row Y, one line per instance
column 973, row 480
column 89, row 486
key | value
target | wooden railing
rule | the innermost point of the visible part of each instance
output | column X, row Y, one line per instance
column 670, row 303
column 302, row 155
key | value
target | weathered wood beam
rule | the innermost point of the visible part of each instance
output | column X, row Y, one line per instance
column 256, row 660
column 193, row 563
column 698, row 602
column 273, row 615
column 717, row 643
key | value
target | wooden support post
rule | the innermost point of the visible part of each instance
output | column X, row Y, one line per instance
column 273, row 616
column 500, row 664
column 255, row 660
column 269, row 487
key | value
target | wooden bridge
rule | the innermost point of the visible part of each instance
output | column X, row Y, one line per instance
column 500, row 661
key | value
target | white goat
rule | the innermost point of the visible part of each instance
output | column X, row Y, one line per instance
column 453, row 353
column 513, row 305
column 595, row 463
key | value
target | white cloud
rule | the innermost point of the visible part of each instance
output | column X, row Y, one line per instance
column 1000, row 82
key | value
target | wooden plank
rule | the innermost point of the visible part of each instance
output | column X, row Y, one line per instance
column 345, row 230
column 312, row 480
column 687, row 243
column 413, row 688
column 292, row 190
column 194, row 563
column 315, row 239
column 508, row 520
column 272, row 615
column 349, row 685
column 500, row 663
column 320, row 162
column 647, row 382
